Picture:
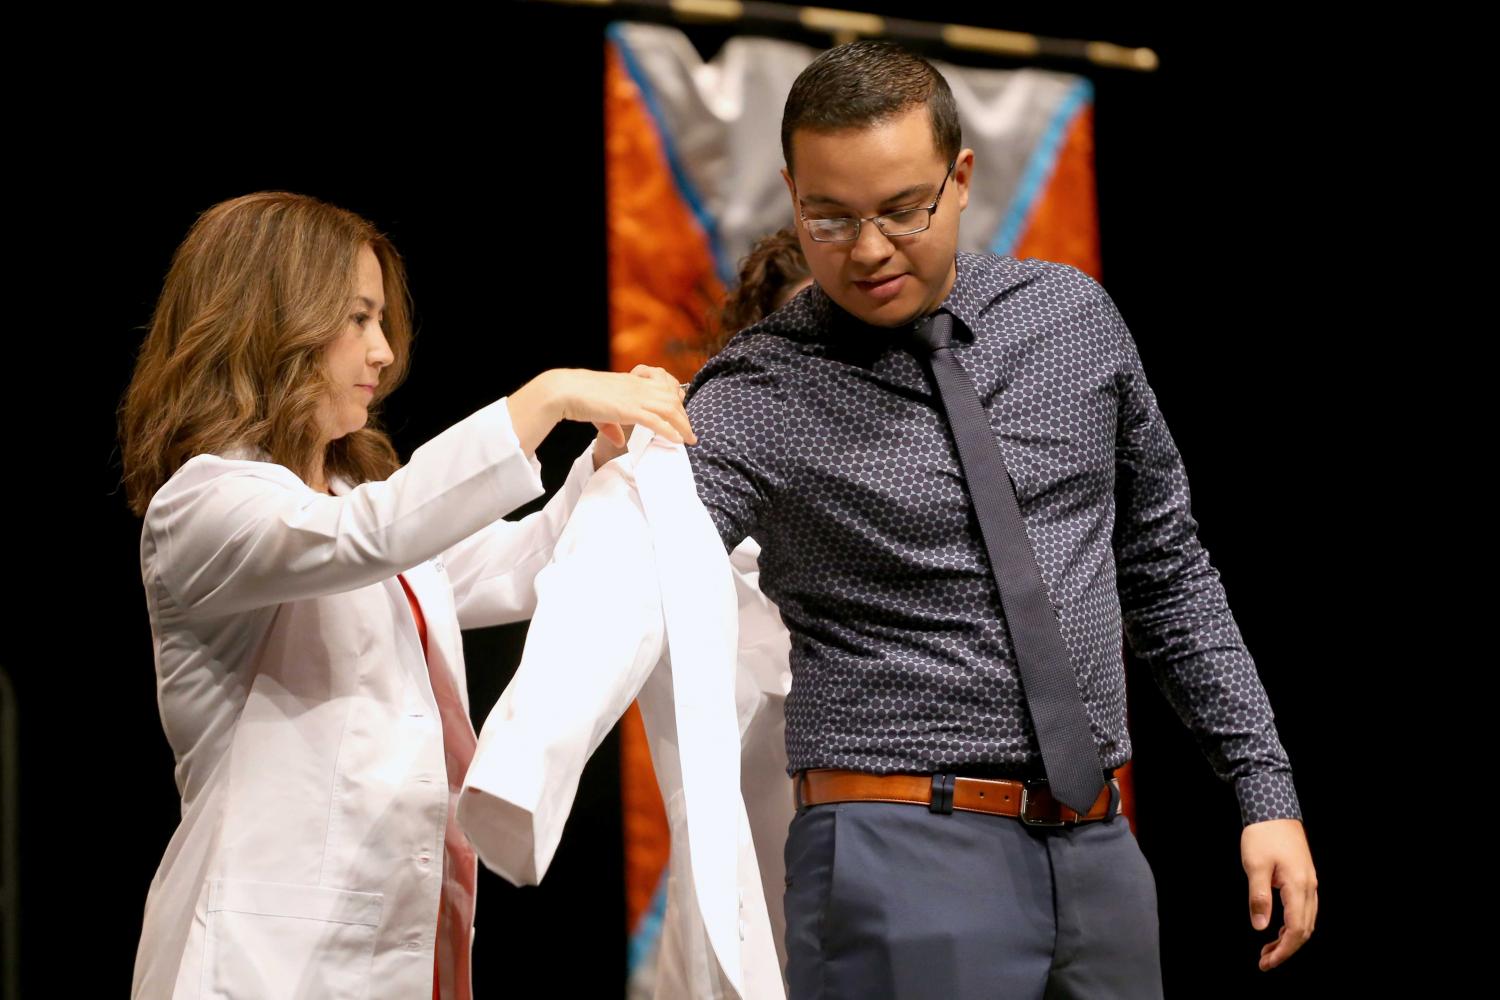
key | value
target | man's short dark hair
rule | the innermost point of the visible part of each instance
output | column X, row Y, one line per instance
column 867, row 83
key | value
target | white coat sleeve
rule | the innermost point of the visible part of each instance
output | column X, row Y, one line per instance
column 596, row 636
column 226, row 536
column 493, row 571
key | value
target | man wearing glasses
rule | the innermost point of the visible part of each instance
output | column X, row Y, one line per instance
column 963, row 489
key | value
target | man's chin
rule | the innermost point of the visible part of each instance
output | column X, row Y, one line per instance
column 891, row 314
column 891, row 317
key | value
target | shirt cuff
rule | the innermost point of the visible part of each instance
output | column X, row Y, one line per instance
column 1267, row 795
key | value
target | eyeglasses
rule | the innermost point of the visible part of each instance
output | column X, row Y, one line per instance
column 907, row 222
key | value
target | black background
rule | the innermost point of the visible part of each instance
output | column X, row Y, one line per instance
column 1237, row 241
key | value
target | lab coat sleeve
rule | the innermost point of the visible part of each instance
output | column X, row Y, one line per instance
column 226, row 536
column 596, row 636
column 493, row 571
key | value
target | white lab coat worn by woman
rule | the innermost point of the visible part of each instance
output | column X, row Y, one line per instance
column 318, row 750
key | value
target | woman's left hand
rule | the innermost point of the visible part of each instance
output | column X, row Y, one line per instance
column 610, row 444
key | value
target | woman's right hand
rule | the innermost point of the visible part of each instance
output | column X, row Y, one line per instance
column 609, row 400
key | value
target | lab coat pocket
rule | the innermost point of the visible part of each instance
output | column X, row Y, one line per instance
column 269, row 939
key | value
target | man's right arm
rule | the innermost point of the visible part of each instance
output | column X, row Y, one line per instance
column 736, row 410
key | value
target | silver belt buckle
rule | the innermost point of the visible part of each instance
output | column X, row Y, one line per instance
column 1026, row 808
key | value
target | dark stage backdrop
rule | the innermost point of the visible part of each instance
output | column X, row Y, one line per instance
column 1229, row 242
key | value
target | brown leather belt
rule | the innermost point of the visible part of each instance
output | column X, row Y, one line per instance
column 1028, row 801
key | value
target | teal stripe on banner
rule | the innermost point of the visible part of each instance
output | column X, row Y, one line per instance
column 674, row 161
column 1039, row 168
column 648, row 929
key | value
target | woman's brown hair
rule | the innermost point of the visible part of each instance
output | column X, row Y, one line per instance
column 235, row 353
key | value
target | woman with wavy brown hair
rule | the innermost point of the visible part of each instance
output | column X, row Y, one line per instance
column 306, row 592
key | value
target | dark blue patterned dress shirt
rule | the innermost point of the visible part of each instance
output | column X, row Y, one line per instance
column 823, row 439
